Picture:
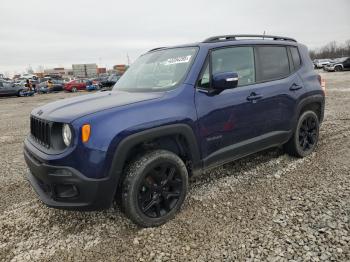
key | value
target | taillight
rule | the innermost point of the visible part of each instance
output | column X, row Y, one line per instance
column 322, row 83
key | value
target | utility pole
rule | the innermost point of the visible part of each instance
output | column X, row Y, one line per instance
column 128, row 58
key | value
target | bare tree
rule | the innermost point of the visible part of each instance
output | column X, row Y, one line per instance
column 331, row 50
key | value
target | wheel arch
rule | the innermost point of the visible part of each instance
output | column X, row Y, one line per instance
column 315, row 103
column 169, row 133
column 342, row 66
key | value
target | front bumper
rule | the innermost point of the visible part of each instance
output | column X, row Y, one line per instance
column 327, row 68
column 66, row 188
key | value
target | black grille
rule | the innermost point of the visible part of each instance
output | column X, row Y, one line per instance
column 41, row 131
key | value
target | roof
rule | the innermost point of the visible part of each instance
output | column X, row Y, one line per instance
column 229, row 40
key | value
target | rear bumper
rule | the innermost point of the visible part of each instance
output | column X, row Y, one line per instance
column 66, row 188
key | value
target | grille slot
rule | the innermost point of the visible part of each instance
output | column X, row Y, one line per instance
column 41, row 131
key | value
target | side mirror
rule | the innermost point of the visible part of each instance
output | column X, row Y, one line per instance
column 225, row 80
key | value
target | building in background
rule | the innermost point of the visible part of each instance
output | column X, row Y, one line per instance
column 59, row 71
column 84, row 70
column 120, row 69
column 101, row 70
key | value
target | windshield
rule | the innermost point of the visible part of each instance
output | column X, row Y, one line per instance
column 157, row 71
column 342, row 59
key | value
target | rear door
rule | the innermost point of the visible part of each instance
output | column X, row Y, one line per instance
column 82, row 84
column 2, row 88
column 7, row 89
column 280, row 87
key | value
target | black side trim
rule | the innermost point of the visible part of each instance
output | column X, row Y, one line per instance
column 247, row 147
column 129, row 142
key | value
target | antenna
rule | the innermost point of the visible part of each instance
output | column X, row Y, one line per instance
column 264, row 35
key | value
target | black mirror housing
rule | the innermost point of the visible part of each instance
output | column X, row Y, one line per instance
column 225, row 80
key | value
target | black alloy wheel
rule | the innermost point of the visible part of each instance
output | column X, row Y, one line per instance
column 305, row 136
column 154, row 188
column 160, row 190
column 308, row 133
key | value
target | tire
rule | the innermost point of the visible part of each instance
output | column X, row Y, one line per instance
column 305, row 137
column 20, row 93
column 338, row 68
column 74, row 90
column 154, row 188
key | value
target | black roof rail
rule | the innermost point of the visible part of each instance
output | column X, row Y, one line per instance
column 234, row 37
column 154, row 49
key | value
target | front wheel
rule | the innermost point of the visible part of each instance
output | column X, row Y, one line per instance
column 305, row 137
column 74, row 90
column 154, row 188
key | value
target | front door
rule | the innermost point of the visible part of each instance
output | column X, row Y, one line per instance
column 346, row 64
column 230, row 118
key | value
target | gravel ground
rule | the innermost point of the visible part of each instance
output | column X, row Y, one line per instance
column 268, row 206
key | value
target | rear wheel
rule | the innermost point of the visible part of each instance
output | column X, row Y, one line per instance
column 305, row 137
column 74, row 89
column 154, row 188
column 338, row 68
column 20, row 93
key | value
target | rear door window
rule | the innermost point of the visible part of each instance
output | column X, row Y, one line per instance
column 272, row 63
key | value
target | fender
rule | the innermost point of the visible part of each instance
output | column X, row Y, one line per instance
column 342, row 66
column 129, row 142
column 309, row 100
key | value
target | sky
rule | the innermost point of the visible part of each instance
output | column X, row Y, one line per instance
column 47, row 33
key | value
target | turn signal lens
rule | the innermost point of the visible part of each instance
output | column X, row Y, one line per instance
column 85, row 133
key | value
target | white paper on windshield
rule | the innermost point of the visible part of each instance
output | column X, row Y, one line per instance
column 178, row 60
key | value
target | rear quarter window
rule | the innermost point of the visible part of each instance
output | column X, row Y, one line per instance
column 295, row 57
column 272, row 63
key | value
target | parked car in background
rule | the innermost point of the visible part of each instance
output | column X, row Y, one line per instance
column 29, row 76
column 75, row 85
column 50, row 85
column 338, row 64
column 20, row 82
column 92, row 85
column 9, row 89
column 110, row 81
column 97, row 80
column 320, row 63
column 57, row 85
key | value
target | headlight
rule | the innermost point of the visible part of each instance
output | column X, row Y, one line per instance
column 66, row 134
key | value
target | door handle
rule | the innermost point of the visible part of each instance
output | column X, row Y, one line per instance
column 295, row 87
column 253, row 97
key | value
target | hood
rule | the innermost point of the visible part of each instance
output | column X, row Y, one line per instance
column 67, row 110
column 333, row 63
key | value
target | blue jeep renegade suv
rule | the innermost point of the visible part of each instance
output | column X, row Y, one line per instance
column 175, row 112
